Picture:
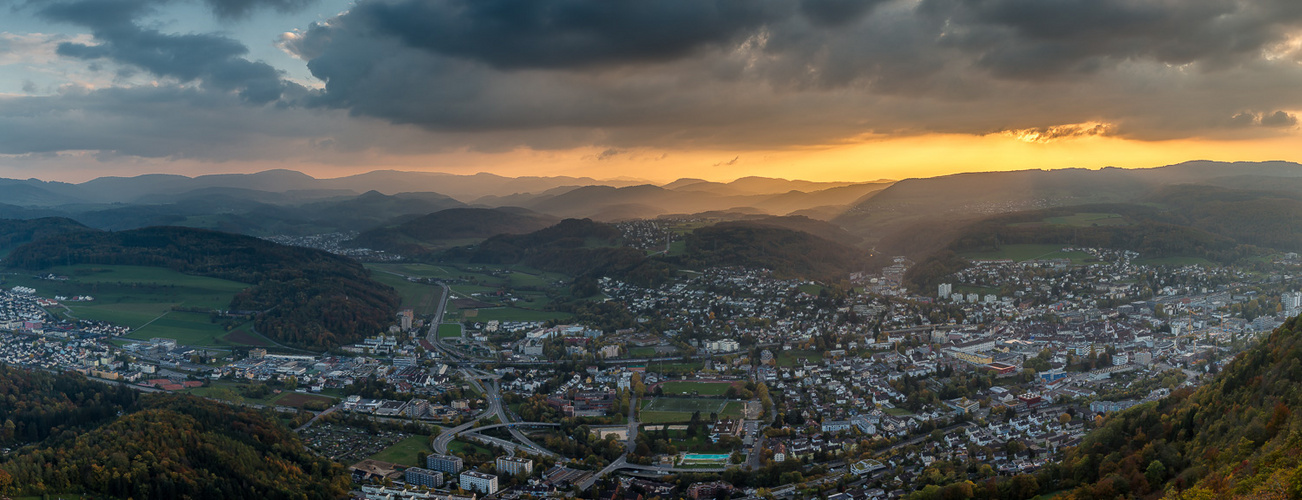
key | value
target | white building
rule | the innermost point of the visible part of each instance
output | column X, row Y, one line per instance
column 514, row 466
column 944, row 290
column 725, row 345
column 478, row 481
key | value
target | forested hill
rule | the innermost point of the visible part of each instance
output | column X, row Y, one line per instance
column 309, row 298
column 420, row 235
column 573, row 246
column 70, row 439
column 1239, row 436
column 17, row 232
column 787, row 252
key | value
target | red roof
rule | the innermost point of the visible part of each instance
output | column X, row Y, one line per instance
column 171, row 387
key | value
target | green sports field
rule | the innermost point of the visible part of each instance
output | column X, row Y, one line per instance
column 687, row 388
column 670, row 410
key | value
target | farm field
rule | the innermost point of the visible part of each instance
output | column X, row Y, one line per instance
column 132, row 285
column 679, row 387
column 143, row 298
column 187, row 328
column 422, row 298
column 517, row 314
column 404, row 452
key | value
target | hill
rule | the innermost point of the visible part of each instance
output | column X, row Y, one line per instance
column 787, row 252
column 307, row 298
column 1153, row 231
column 14, row 233
column 88, row 437
column 573, row 246
column 1239, row 436
column 891, row 218
column 447, row 227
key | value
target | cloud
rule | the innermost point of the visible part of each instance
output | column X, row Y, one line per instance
column 728, row 163
column 214, row 60
column 566, row 33
column 608, row 154
column 623, row 75
column 732, row 73
column 1278, row 119
column 1059, row 132
column 239, row 9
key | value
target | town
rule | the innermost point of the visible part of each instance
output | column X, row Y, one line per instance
column 728, row 383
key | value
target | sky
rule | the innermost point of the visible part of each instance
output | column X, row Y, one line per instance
column 850, row 90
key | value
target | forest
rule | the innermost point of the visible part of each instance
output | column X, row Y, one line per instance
column 70, row 439
column 306, row 298
column 786, row 252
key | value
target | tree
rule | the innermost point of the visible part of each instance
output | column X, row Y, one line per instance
column 1155, row 473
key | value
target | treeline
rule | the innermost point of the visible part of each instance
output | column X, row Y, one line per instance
column 309, row 298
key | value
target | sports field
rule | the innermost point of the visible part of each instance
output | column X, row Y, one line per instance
column 688, row 388
column 668, row 410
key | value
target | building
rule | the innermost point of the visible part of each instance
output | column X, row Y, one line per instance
column 707, row 490
column 416, row 476
column 514, row 466
column 478, row 481
column 1292, row 301
column 725, row 345
column 405, row 318
column 446, row 464
column 944, row 290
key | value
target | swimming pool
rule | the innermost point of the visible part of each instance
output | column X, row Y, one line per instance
column 705, row 458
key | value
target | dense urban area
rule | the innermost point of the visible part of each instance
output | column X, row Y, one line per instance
column 725, row 383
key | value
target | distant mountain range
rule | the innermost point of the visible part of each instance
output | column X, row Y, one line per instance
column 408, row 212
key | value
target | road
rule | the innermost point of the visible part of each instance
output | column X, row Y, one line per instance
column 317, row 417
column 495, row 407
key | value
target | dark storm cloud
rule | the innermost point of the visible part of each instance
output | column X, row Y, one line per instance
column 567, row 33
column 236, row 9
column 836, row 12
column 494, row 75
column 1030, row 39
column 214, row 60
column 718, row 70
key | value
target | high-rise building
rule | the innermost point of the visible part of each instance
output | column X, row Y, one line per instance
column 1292, row 301
column 514, row 466
column 446, row 464
column 416, row 476
column 478, row 481
column 944, row 290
